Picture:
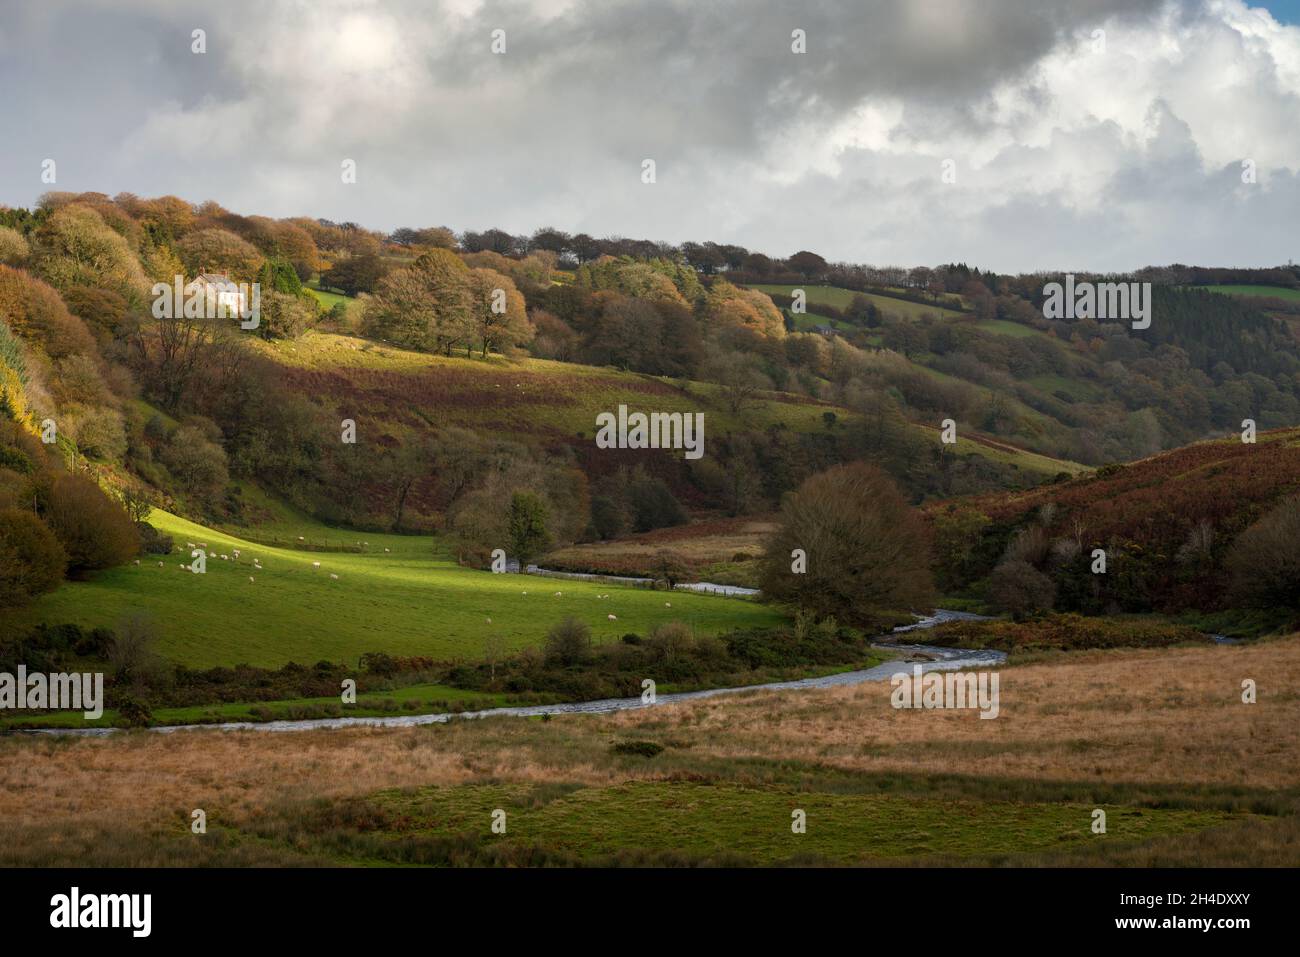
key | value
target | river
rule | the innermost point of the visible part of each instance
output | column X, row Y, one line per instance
column 929, row 657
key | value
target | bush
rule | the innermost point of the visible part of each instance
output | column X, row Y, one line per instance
column 132, row 654
column 94, row 530
column 568, row 643
column 134, row 711
column 670, row 641
column 152, row 541
column 1021, row 589
column 31, row 559
column 642, row 749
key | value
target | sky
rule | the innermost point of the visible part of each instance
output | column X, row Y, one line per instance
column 1015, row 135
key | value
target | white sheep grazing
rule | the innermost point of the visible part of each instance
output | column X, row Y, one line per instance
column 489, row 621
column 668, row 604
column 300, row 538
column 385, row 550
column 212, row 554
column 160, row 564
column 612, row 617
column 250, row 578
column 191, row 545
column 225, row 558
column 559, row 594
column 315, row 564
column 333, row 576
column 137, row 561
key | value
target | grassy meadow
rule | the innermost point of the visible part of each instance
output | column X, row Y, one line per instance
column 394, row 593
column 1159, row 739
column 840, row 299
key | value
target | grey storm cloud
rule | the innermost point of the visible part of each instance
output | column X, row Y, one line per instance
column 1064, row 155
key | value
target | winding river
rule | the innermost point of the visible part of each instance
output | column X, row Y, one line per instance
column 929, row 657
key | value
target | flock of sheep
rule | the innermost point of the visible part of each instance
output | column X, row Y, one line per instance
column 257, row 566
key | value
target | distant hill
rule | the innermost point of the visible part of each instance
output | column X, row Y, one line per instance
column 1167, row 521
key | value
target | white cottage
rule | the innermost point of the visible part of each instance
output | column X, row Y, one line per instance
column 222, row 296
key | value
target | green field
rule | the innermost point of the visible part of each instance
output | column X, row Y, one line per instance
column 328, row 299
column 840, row 299
column 1276, row 292
column 1005, row 327
column 412, row 699
column 410, row 600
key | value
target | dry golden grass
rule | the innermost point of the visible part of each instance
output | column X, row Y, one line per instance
column 1171, row 716
column 1143, row 717
column 699, row 544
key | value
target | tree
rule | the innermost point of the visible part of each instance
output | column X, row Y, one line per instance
column 197, row 463
column 428, row 305
column 739, row 375
column 807, row 264
column 1264, row 561
column 31, row 559
column 222, row 251
column 670, row 566
column 355, row 274
column 865, row 550
column 14, row 249
column 499, row 311
column 527, row 532
column 494, row 650
column 729, row 305
column 75, row 247
column 285, row 316
column 94, row 530
column 1021, row 589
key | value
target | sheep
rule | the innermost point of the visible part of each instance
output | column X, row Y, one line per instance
column 315, row 564
column 160, row 565
column 225, row 558
column 333, row 576
column 489, row 621
column 250, row 578
column 559, row 594
column 612, row 617
column 668, row 604
column 137, row 561
column 385, row 551
column 190, row 545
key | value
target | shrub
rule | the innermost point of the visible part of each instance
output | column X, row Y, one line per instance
column 1021, row 589
column 643, row 749
column 134, row 712
column 671, row 640
column 31, row 559
column 152, row 541
column 94, row 530
column 567, row 643
column 133, row 656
